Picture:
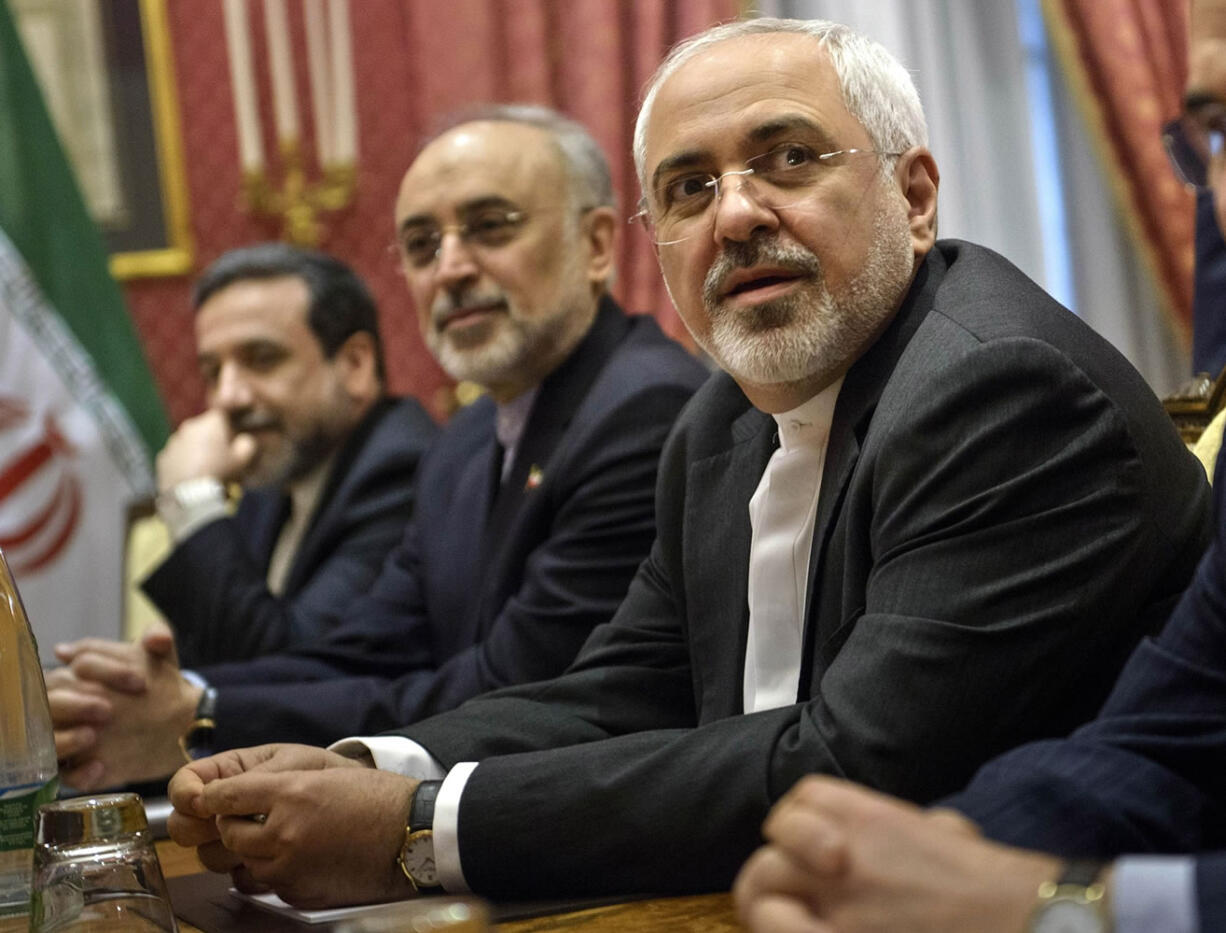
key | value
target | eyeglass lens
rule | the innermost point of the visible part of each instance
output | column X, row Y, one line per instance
column 782, row 178
column 1192, row 146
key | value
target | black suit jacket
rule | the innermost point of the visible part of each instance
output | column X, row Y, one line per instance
column 213, row 586
column 1005, row 509
column 494, row 583
column 1149, row 774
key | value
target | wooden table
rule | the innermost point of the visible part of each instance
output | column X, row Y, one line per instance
column 708, row 913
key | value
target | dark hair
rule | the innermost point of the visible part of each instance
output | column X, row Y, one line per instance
column 340, row 304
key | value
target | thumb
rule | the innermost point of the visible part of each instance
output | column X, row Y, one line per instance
column 159, row 641
column 242, row 452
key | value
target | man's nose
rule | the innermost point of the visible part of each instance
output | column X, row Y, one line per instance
column 456, row 263
column 232, row 390
column 739, row 211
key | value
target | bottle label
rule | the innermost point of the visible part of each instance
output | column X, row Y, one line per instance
column 17, row 807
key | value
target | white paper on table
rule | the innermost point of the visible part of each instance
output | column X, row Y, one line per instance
column 274, row 904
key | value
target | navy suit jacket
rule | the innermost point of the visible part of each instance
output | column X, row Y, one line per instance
column 213, row 586
column 1149, row 774
column 495, row 583
column 1005, row 509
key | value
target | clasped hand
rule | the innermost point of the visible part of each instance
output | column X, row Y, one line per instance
column 118, row 710
column 329, row 832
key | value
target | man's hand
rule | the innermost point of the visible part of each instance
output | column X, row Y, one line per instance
column 204, row 446
column 846, row 859
column 329, row 829
column 118, row 710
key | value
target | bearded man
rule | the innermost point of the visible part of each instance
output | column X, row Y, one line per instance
column 288, row 345
column 923, row 516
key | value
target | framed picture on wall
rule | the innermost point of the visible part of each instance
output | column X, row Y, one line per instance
column 108, row 78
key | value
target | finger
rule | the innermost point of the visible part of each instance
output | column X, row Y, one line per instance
column 71, row 707
column 247, row 838
column 770, row 870
column 243, row 794
column 75, row 742
column 59, row 677
column 87, row 775
column 810, row 837
column 241, row 876
column 216, row 857
column 242, row 451
column 117, row 673
column 191, row 831
column 778, row 914
column 159, row 640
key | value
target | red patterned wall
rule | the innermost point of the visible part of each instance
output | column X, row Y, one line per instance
column 413, row 59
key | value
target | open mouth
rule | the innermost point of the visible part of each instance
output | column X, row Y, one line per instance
column 761, row 282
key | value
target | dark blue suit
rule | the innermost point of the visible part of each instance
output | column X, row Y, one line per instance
column 213, row 586
column 1149, row 774
column 494, row 583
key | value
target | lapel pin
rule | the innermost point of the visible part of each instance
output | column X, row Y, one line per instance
column 535, row 478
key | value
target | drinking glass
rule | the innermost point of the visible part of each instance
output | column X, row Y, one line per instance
column 95, row 869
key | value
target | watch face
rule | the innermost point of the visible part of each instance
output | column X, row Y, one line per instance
column 1068, row 916
column 418, row 856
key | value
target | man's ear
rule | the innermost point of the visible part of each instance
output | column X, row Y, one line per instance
column 918, row 179
column 600, row 231
column 355, row 360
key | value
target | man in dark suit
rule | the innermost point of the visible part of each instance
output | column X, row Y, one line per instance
column 535, row 505
column 1144, row 777
column 288, row 345
column 925, row 515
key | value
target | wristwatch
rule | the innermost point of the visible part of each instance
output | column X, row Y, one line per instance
column 197, row 741
column 1074, row 903
column 416, row 857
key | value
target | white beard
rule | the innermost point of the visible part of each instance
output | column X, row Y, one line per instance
column 809, row 331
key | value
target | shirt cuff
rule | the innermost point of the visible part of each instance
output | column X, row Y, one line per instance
column 447, row 828
column 193, row 678
column 192, row 504
column 393, row 753
column 1154, row 892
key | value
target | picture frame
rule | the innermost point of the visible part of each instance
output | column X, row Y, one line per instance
column 107, row 74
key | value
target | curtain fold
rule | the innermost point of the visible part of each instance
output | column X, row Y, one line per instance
column 1126, row 61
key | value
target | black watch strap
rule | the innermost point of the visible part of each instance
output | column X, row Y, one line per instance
column 421, row 810
column 197, row 741
column 1081, row 872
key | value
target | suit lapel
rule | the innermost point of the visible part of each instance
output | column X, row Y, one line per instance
column 262, row 512
column 853, row 412
column 559, row 398
column 717, row 538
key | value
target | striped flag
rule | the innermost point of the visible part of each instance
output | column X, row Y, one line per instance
column 79, row 411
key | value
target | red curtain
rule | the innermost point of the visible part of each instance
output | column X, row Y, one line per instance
column 414, row 60
column 1127, row 61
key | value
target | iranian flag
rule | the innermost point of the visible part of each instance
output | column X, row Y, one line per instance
column 79, row 412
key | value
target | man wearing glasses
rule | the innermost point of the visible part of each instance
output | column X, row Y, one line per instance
column 534, row 506
column 923, row 516
column 1145, row 777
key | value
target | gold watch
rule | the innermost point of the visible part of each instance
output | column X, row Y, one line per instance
column 416, row 858
column 1074, row 903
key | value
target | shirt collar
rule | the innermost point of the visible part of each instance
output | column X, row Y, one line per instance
column 512, row 417
column 809, row 422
